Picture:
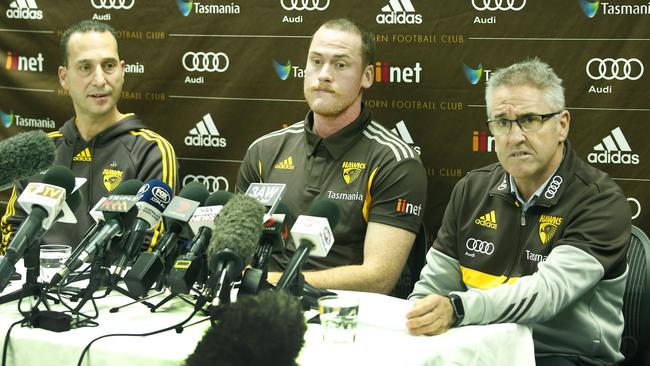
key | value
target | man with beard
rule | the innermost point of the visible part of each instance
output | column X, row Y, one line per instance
column 339, row 153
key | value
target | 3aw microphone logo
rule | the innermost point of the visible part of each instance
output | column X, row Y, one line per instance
column 24, row 9
column 503, row 5
column 205, row 134
column 112, row 4
column 615, row 69
column 399, row 12
column 305, row 4
column 614, row 150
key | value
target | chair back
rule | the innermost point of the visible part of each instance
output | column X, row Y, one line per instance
column 413, row 267
column 636, row 301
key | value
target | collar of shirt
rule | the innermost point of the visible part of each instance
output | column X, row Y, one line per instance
column 533, row 198
column 340, row 142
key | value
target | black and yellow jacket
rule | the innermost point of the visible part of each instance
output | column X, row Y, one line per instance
column 126, row 150
column 559, row 266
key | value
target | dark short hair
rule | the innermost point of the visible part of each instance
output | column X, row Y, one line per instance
column 367, row 38
column 84, row 26
column 267, row 329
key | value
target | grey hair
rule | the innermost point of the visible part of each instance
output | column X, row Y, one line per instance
column 531, row 72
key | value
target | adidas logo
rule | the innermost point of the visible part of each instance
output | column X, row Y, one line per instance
column 403, row 133
column 488, row 220
column 24, row 9
column 285, row 164
column 205, row 134
column 84, row 155
column 614, row 150
column 399, row 12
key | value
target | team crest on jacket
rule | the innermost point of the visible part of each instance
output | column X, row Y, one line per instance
column 548, row 226
column 352, row 170
column 112, row 176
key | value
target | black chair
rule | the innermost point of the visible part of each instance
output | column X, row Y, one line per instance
column 413, row 267
column 636, row 301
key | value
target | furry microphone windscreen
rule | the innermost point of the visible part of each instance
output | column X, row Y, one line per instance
column 24, row 155
column 263, row 330
column 238, row 228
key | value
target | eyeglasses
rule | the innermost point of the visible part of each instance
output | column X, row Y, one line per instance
column 527, row 123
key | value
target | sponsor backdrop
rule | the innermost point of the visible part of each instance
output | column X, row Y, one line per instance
column 212, row 75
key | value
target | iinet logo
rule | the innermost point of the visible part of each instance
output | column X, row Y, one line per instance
column 24, row 63
column 384, row 73
column 399, row 12
column 409, row 208
column 614, row 150
column 24, row 9
column 482, row 142
column 205, row 134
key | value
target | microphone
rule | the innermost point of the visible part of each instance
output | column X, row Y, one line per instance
column 153, row 198
column 43, row 203
column 150, row 265
column 233, row 243
column 313, row 233
column 24, row 155
column 268, row 194
column 119, row 212
column 188, row 267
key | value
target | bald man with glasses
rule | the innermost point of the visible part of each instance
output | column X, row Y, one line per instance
column 538, row 238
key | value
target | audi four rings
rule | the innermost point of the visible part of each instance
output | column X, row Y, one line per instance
column 206, row 61
column 514, row 5
column 112, row 4
column 553, row 187
column 305, row 4
column 479, row 246
column 212, row 183
column 619, row 69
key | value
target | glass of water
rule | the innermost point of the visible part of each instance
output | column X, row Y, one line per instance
column 338, row 316
column 53, row 257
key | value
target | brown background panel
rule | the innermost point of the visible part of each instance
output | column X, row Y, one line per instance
column 249, row 99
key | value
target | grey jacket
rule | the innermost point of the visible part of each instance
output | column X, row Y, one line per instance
column 559, row 266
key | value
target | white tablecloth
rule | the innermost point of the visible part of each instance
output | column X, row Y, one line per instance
column 381, row 339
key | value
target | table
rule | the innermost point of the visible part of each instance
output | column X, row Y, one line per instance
column 381, row 339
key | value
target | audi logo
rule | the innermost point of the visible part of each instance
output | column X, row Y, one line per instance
column 304, row 4
column 212, row 183
column 503, row 184
column 479, row 246
column 553, row 187
column 206, row 61
column 498, row 5
column 619, row 69
column 112, row 4
column 161, row 194
column 635, row 202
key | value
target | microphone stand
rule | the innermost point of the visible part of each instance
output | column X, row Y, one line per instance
column 31, row 287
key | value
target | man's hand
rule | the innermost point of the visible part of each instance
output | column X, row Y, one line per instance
column 430, row 316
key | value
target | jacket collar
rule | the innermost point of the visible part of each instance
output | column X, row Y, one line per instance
column 555, row 187
column 128, row 123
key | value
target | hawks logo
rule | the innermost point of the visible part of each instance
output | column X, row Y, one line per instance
column 112, row 176
column 352, row 170
column 548, row 226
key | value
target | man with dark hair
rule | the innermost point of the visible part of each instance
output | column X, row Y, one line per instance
column 339, row 153
column 99, row 143
column 538, row 238
column 263, row 330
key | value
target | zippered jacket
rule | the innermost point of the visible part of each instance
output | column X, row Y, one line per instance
column 559, row 266
column 126, row 150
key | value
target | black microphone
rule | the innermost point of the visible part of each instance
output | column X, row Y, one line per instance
column 233, row 243
column 189, row 266
column 43, row 202
column 154, row 196
column 150, row 265
column 119, row 212
column 313, row 233
column 24, row 155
